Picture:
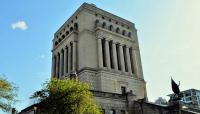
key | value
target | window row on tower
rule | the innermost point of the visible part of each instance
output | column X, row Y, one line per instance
column 66, row 33
column 115, row 56
column 64, row 61
column 111, row 28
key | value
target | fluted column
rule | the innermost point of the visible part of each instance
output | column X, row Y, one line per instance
column 100, row 56
column 65, row 60
column 60, row 65
column 107, row 54
column 53, row 66
column 122, row 58
column 115, row 56
column 74, row 57
column 55, row 69
column 128, row 60
column 69, row 58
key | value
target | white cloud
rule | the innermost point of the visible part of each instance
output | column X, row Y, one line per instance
column 19, row 25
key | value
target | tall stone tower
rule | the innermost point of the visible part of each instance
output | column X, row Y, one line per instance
column 103, row 50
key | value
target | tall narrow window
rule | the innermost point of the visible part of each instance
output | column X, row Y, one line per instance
column 131, row 56
column 66, row 57
column 62, row 68
column 59, row 40
column 118, row 57
column 76, row 26
column 125, row 59
column 110, row 27
column 124, row 32
column 96, row 23
column 104, row 53
column 104, row 25
column 117, row 30
column 111, row 54
column 67, row 32
column 71, row 56
column 129, row 34
column 56, row 43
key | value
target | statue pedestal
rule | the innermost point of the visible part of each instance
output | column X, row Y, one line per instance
column 176, row 104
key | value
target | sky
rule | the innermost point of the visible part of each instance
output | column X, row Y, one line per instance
column 168, row 33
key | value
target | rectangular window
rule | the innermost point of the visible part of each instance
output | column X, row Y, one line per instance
column 123, row 90
column 188, row 99
column 187, row 94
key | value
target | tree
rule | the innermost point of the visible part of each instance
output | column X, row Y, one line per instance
column 66, row 97
column 161, row 101
column 7, row 94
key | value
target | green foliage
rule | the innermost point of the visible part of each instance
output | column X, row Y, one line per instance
column 7, row 94
column 66, row 97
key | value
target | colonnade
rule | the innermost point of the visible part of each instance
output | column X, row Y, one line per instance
column 64, row 61
column 116, row 56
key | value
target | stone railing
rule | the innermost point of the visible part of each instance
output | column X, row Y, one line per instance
column 109, row 95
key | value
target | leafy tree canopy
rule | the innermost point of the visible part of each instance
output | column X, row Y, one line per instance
column 7, row 94
column 66, row 97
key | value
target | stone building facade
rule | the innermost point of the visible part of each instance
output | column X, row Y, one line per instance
column 103, row 50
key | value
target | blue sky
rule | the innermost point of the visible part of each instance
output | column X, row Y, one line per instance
column 168, row 34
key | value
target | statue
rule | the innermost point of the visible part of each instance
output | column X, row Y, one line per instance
column 175, row 88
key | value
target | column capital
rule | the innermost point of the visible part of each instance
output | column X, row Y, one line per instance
column 121, row 44
column 99, row 35
column 115, row 42
column 107, row 40
column 128, row 47
column 66, row 47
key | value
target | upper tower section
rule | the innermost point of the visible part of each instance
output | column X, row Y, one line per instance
column 96, row 39
column 90, row 17
column 101, row 48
